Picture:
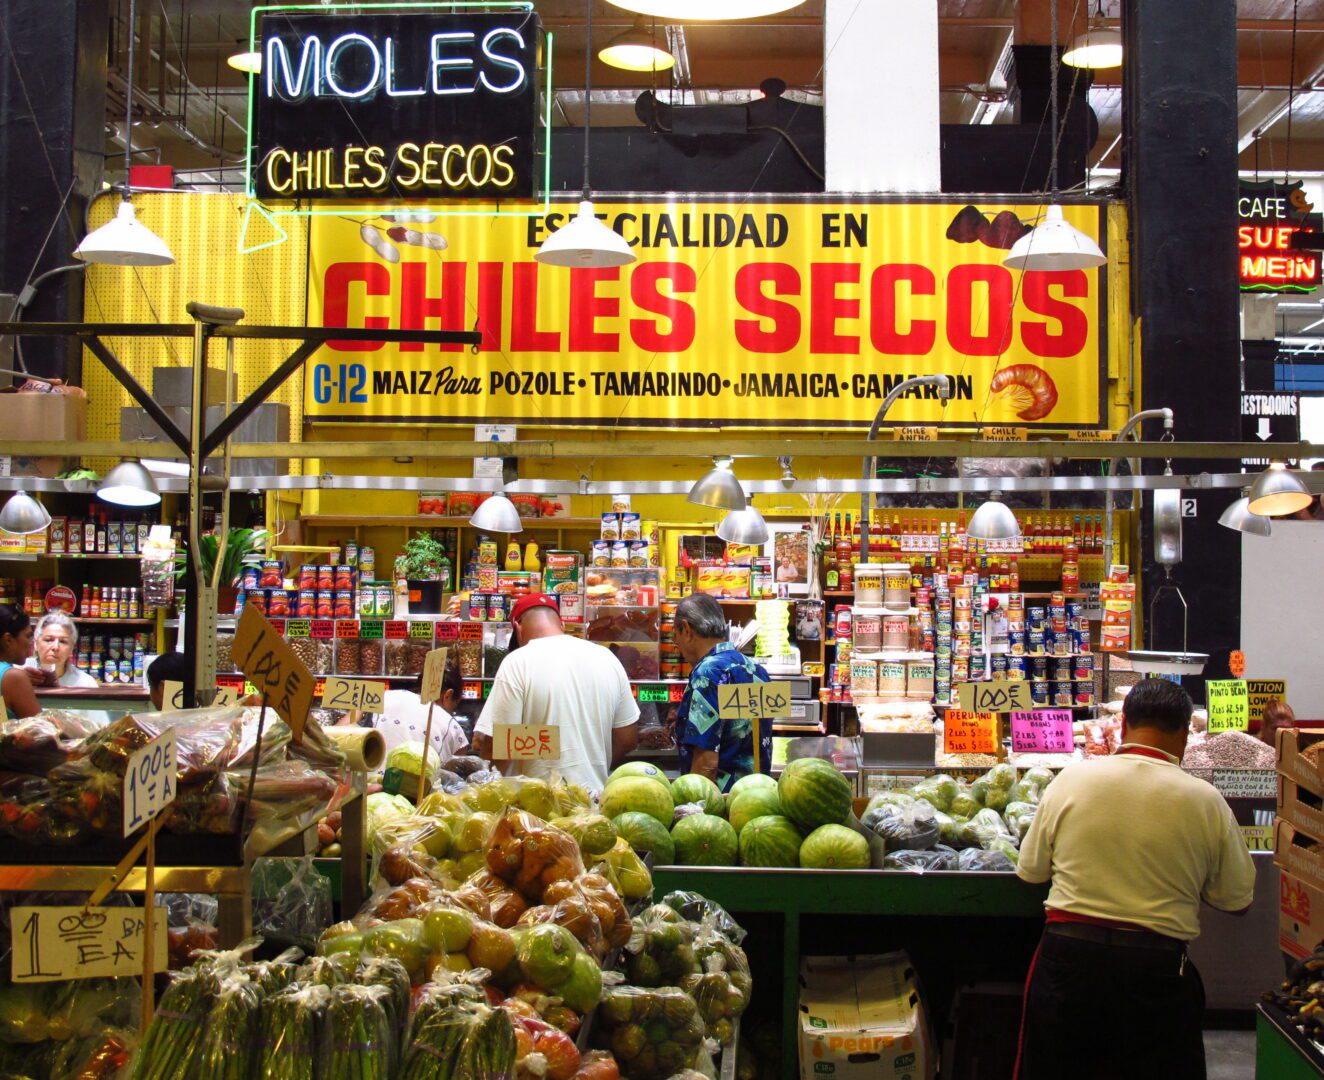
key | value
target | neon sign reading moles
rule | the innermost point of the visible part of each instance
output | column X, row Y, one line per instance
column 395, row 104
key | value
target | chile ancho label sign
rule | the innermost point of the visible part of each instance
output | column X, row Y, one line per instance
column 1269, row 215
column 737, row 313
column 380, row 104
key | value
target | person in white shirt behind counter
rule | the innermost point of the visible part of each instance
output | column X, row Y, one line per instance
column 54, row 645
column 404, row 716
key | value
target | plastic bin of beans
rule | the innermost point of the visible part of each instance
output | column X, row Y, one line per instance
column 470, row 659
column 349, row 657
column 371, row 657
column 315, row 654
column 224, row 648
column 406, row 657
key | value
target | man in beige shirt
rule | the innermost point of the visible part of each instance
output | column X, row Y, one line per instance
column 1132, row 846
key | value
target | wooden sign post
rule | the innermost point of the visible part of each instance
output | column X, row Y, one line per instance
column 755, row 702
column 434, row 674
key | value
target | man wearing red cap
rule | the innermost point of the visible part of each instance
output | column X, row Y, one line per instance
column 556, row 680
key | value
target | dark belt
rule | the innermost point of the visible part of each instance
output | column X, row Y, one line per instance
column 1127, row 939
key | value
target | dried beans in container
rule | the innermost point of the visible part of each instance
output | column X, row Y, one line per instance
column 224, row 651
column 470, row 659
column 315, row 654
column 406, row 657
column 349, row 657
column 370, row 657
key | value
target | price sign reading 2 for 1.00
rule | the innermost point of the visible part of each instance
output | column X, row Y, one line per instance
column 355, row 695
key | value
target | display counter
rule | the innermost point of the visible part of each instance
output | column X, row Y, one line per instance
column 1281, row 1051
column 113, row 701
column 958, row 928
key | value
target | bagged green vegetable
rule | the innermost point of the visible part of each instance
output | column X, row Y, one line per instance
column 290, row 1040
column 985, row 828
column 937, row 790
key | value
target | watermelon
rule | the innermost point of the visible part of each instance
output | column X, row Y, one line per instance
column 640, row 768
column 753, row 803
column 749, row 780
column 645, row 833
column 705, row 840
column 639, row 794
column 814, row 793
column 835, row 847
column 693, row 788
column 770, row 841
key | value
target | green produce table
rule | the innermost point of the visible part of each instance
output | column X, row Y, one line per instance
column 962, row 909
column 1281, row 1051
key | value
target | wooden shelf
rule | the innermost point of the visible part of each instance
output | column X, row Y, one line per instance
column 436, row 521
column 115, row 622
column 132, row 557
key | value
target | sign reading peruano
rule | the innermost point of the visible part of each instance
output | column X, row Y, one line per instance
column 740, row 314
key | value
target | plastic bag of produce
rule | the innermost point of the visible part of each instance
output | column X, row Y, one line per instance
column 1019, row 816
column 565, row 904
column 938, row 790
column 698, row 909
column 986, row 827
column 595, row 833
column 722, row 987
column 232, row 1027
column 1030, row 787
column 913, row 827
column 660, row 951
column 380, row 808
column 357, row 1036
column 291, row 901
column 100, row 1055
column 530, row 854
column 978, row 859
column 652, row 1033
column 290, row 1041
column 177, row 1034
column 951, row 830
column 626, row 871
column 965, row 804
column 39, row 743
column 551, row 959
column 940, row 857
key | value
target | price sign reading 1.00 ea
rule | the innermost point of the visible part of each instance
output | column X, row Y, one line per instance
column 525, row 742
column 355, row 695
column 273, row 668
column 754, row 701
column 1042, row 731
column 1229, row 705
column 434, row 674
column 150, row 779
column 50, row 943
column 970, row 733
column 995, row 695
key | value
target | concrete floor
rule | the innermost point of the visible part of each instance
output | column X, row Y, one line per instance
column 1230, row 1055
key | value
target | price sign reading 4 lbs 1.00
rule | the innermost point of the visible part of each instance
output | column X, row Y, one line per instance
column 970, row 733
column 754, row 701
column 434, row 673
column 150, row 778
column 82, row 943
column 1042, row 731
column 1229, row 705
column 996, row 695
column 356, row 695
column 525, row 742
column 272, row 667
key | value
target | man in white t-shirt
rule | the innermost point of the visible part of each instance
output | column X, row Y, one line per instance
column 1132, row 846
column 556, row 680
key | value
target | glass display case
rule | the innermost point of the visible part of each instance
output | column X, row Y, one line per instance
column 621, row 612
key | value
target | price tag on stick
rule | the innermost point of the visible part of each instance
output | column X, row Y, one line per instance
column 151, row 777
column 354, row 695
column 172, row 697
column 995, row 695
column 271, row 666
column 525, row 742
column 754, row 701
column 1042, row 731
column 434, row 673
column 1229, row 705
column 970, row 733
column 50, row 943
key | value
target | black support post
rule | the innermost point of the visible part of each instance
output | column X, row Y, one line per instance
column 1180, row 155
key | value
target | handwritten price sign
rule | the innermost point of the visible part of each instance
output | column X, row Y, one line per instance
column 271, row 666
column 970, row 733
column 52, row 943
column 356, row 695
column 150, row 780
column 754, row 701
column 525, row 742
column 434, row 672
column 172, row 697
column 995, row 695
column 1229, row 705
column 1042, row 731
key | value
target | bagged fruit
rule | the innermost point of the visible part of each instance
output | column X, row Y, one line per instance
column 699, row 909
column 626, row 871
column 661, row 949
column 505, row 903
column 594, row 833
column 572, row 910
column 530, row 854
column 652, row 1033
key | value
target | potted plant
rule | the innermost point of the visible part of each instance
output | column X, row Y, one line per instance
column 422, row 558
column 239, row 544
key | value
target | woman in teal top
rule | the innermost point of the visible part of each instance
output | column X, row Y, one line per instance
column 20, row 700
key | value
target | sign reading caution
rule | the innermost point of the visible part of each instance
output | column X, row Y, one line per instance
column 742, row 314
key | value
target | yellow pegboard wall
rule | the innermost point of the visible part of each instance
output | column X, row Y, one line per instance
column 203, row 232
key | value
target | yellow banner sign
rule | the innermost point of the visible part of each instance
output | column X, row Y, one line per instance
column 742, row 314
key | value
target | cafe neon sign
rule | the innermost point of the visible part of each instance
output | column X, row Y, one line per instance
column 1269, row 216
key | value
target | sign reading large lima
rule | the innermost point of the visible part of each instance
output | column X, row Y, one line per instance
column 737, row 313
column 395, row 104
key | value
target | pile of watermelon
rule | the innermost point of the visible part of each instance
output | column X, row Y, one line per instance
column 799, row 820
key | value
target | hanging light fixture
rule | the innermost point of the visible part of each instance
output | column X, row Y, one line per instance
column 993, row 521
column 704, row 10
column 497, row 513
column 634, row 50
column 1277, row 493
column 1098, row 47
column 1053, row 244
column 718, row 487
column 248, row 62
column 745, row 527
column 584, row 241
column 1239, row 517
column 124, row 240
column 22, row 514
column 129, row 484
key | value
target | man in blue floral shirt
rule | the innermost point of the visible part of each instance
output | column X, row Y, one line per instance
column 722, row 750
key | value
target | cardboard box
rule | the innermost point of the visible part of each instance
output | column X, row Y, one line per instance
column 1299, row 854
column 1293, row 764
column 1301, row 807
column 1300, row 916
column 862, row 1018
column 46, row 417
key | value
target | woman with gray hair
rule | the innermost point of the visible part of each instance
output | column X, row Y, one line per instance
column 54, row 645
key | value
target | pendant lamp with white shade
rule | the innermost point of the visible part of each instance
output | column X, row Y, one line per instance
column 124, row 240
column 744, row 527
column 22, row 514
column 584, row 241
column 1239, row 517
column 1099, row 47
column 497, row 513
column 635, row 50
column 1054, row 244
column 707, row 10
column 1278, row 492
